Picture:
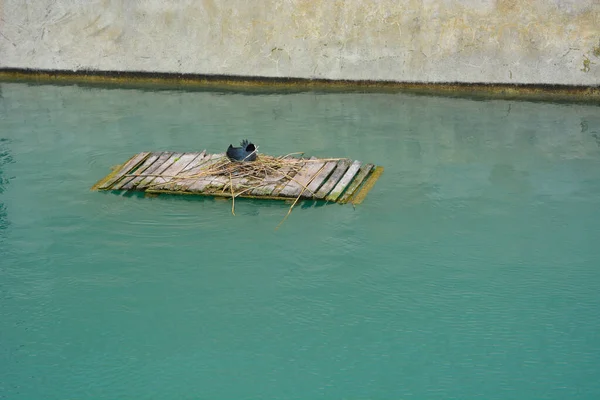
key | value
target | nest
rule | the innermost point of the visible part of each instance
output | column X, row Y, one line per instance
column 264, row 170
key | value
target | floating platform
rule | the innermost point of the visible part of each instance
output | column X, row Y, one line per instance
column 339, row 180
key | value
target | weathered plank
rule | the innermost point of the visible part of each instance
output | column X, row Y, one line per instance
column 217, row 184
column 129, row 165
column 198, row 184
column 142, row 168
column 189, row 174
column 358, row 179
column 358, row 197
column 345, row 181
column 191, row 167
column 135, row 182
column 341, row 168
column 302, row 178
column 274, row 182
column 291, row 174
column 148, row 182
column 243, row 186
column 162, row 182
column 319, row 179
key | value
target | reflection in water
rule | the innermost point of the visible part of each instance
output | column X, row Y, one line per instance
column 5, row 159
column 3, row 220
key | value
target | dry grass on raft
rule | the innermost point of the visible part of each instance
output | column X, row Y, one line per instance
column 255, row 173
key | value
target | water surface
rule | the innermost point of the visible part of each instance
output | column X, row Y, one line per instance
column 470, row 271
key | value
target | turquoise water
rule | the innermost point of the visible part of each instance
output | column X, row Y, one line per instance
column 470, row 271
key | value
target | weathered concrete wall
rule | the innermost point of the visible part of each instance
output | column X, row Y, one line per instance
column 496, row 41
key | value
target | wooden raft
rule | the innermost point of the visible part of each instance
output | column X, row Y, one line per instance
column 334, row 180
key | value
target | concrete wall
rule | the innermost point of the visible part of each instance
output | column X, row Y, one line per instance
column 496, row 41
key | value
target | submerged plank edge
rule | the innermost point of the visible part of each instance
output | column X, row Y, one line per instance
column 337, row 191
column 142, row 168
column 119, row 173
column 368, row 184
column 139, row 180
column 338, row 172
column 363, row 172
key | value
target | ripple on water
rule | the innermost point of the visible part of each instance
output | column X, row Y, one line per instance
column 96, row 159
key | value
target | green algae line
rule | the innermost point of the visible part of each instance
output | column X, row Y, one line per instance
column 156, row 80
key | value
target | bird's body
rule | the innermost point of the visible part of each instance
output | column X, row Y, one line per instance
column 247, row 152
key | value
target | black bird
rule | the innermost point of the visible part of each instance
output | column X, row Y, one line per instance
column 247, row 152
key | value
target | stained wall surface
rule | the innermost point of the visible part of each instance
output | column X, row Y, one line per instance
column 493, row 41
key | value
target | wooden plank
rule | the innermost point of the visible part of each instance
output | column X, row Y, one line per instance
column 129, row 165
column 358, row 179
column 367, row 186
column 148, row 182
column 242, row 186
column 162, row 182
column 341, row 185
column 274, row 183
column 189, row 173
column 198, row 184
column 145, row 165
column 189, row 170
column 296, row 185
column 217, row 184
column 341, row 168
column 291, row 174
column 164, row 156
column 319, row 179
